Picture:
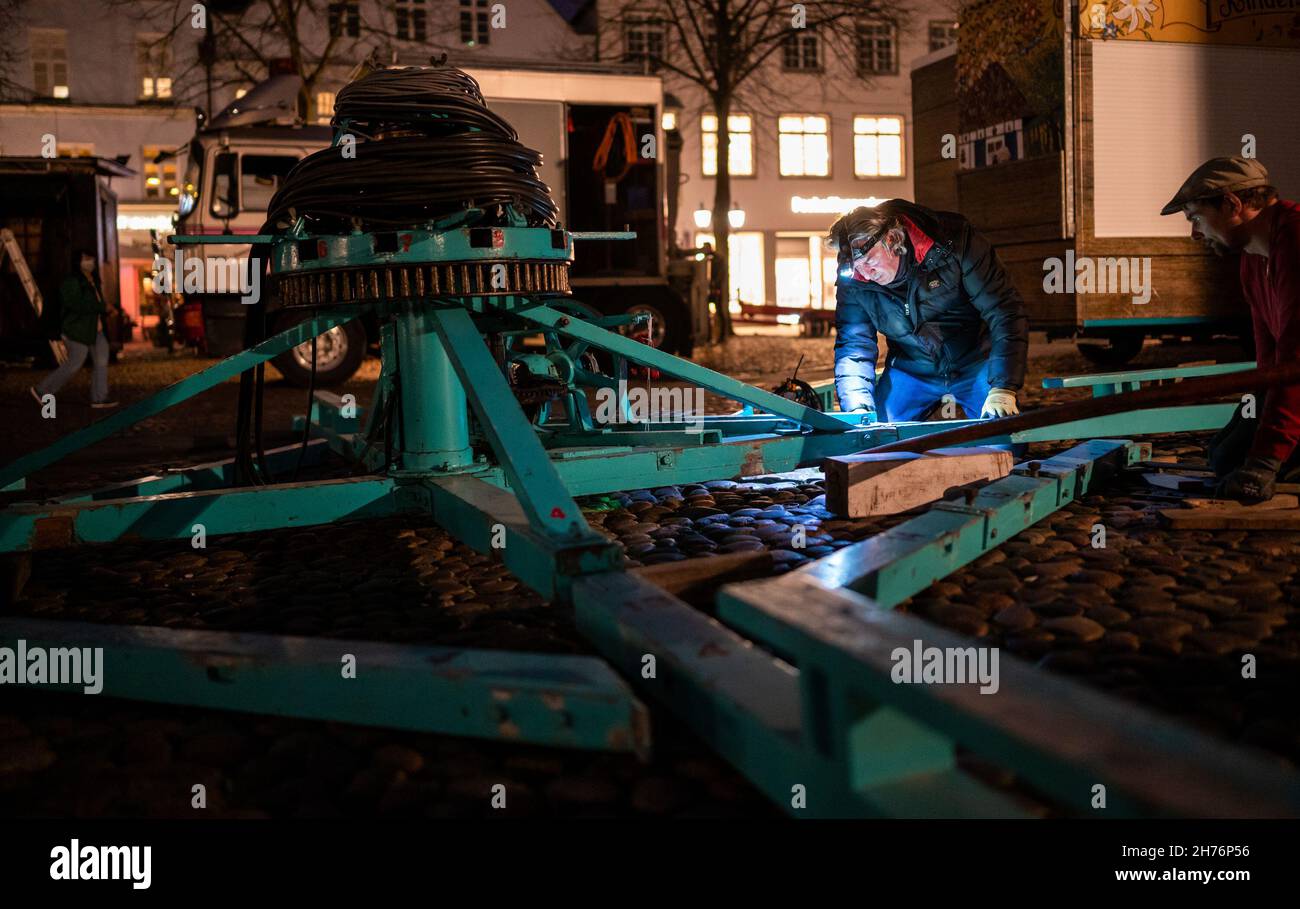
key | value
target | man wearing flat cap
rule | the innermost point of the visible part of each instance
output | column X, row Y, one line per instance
column 935, row 289
column 1233, row 208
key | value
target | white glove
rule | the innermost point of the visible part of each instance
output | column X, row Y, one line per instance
column 868, row 414
column 1001, row 402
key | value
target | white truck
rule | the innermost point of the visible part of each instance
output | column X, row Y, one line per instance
column 236, row 162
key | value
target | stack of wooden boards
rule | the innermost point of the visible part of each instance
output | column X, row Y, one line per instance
column 1203, row 512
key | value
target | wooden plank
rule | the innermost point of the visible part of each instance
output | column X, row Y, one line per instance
column 1273, row 504
column 697, row 580
column 1232, row 518
column 867, row 484
column 1174, row 466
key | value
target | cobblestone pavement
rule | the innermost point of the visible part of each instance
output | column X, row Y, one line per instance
column 1155, row 616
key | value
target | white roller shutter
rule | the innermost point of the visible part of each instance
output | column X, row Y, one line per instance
column 1159, row 110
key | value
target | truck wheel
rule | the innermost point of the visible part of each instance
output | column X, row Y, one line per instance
column 660, row 330
column 1113, row 348
column 339, row 353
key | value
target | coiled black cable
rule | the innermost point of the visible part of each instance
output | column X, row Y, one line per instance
column 408, row 181
column 435, row 100
column 427, row 147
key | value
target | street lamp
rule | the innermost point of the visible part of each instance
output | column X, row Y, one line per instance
column 736, row 218
column 672, row 114
column 703, row 217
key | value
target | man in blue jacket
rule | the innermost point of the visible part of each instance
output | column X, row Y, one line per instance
column 935, row 289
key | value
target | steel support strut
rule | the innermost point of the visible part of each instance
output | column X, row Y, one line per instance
column 174, row 394
column 435, row 423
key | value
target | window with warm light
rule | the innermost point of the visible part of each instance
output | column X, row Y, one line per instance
column 745, row 266
column 805, row 272
column 324, row 106
column 740, row 155
column 804, row 145
column 878, row 146
column 159, row 177
column 153, row 57
column 49, row 62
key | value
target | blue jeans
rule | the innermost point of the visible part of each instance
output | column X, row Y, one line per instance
column 76, row 358
column 901, row 396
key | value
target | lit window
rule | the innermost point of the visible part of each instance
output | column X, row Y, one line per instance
column 474, row 22
column 153, row 58
column 159, row 177
column 240, row 92
column 50, row 62
column 805, row 145
column 324, row 106
column 745, row 266
column 877, row 49
column 801, row 51
column 805, row 272
column 878, row 146
column 643, row 42
column 345, row 18
column 412, row 22
column 942, row 33
column 740, row 155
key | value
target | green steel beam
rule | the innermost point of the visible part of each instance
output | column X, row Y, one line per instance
column 1156, row 420
column 549, row 506
column 174, row 394
column 1105, row 383
column 904, row 560
column 212, row 475
column 1056, row 733
column 746, row 705
column 540, row 699
column 491, row 520
column 682, row 369
column 172, row 516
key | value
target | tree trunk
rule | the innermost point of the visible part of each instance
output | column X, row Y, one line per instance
column 721, row 223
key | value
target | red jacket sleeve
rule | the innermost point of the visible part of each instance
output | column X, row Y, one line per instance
column 1279, row 419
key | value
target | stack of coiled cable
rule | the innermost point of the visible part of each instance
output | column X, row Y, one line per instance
column 427, row 149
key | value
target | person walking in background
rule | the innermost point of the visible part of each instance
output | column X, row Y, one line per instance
column 83, row 323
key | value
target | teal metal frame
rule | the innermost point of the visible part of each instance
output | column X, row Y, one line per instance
column 806, row 707
column 569, row 701
column 1110, row 383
